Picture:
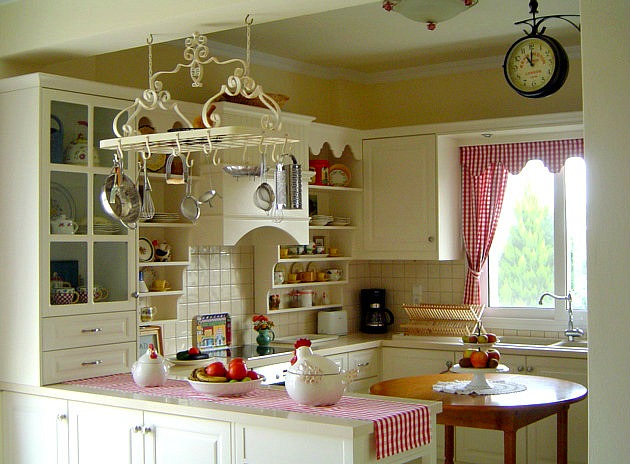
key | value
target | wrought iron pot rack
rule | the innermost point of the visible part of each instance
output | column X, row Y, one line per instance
column 212, row 137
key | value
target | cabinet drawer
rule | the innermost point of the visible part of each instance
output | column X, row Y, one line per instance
column 82, row 363
column 88, row 330
column 366, row 361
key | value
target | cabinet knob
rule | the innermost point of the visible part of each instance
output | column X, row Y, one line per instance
column 520, row 368
column 530, row 368
column 431, row 239
column 449, row 364
column 147, row 430
column 137, row 429
column 62, row 417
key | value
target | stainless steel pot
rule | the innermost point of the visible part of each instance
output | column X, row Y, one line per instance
column 120, row 197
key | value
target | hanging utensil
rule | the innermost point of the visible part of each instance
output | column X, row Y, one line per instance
column 208, row 195
column 147, row 211
column 293, row 180
column 264, row 196
column 189, row 206
column 120, row 198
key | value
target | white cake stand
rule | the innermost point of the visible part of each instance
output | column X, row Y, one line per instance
column 479, row 375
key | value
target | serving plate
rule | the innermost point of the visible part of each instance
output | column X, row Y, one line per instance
column 188, row 362
column 61, row 201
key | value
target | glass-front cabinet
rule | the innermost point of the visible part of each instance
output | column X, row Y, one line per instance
column 89, row 320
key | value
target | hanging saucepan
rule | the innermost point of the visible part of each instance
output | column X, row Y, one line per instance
column 264, row 196
column 120, row 198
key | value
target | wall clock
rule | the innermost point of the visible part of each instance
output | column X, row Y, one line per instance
column 536, row 66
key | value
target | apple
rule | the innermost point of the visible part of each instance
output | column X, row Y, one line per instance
column 494, row 354
column 479, row 358
column 492, row 338
column 493, row 362
column 251, row 375
column 216, row 369
column 237, row 371
column 468, row 352
column 483, row 338
column 465, row 362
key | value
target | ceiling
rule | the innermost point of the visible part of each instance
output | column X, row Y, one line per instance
column 361, row 39
column 368, row 39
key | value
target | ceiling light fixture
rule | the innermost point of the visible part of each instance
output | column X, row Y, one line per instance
column 430, row 12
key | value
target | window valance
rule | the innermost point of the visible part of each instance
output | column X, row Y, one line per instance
column 514, row 156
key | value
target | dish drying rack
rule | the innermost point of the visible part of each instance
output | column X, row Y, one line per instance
column 442, row 320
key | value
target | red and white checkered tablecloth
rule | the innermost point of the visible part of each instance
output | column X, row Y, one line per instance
column 398, row 426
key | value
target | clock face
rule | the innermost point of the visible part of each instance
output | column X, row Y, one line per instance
column 536, row 66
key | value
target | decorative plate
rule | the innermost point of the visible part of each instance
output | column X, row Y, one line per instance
column 150, row 274
column 156, row 162
column 311, row 267
column 279, row 268
column 61, row 201
column 297, row 268
column 339, row 175
column 145, row 250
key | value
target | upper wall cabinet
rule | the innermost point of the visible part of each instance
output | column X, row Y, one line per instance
column 411, row 199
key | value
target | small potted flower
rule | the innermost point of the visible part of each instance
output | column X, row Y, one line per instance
column 263, row 325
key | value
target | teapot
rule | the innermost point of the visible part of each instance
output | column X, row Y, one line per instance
column 77, row 151
column 151, row 369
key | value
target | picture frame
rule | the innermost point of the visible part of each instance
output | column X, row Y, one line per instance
column 319, row 240
column 150, row 334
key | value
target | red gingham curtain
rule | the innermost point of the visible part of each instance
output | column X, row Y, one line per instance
column 485, row 171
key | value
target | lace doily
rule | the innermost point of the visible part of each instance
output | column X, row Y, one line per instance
column 464, row 387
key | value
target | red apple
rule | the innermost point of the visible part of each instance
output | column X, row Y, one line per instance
column 492, row 338
column 216, row 369
column 465, row 362
column 237, row 371
column 494, row 354
column 252, row 375
column 479, row 358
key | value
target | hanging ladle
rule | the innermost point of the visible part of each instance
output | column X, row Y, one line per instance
column 208, row 195
column 264, row 196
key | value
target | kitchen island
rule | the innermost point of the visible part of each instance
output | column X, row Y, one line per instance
column 99, row 426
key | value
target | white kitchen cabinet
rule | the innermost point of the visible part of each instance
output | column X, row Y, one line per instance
column 411, row 199
column 45, row 181
column 406, row 362
column 367, row 363
column 34, row 429
column 106, row 434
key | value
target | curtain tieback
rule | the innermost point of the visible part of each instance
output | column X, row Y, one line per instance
column 475, row 274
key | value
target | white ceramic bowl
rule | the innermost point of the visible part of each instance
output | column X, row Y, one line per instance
column 226, row 388
column 316, row 389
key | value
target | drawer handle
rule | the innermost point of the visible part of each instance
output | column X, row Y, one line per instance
column 530, row 369
column 92, row 363
column 520, row 368
column 94, row 330
column 363, row 364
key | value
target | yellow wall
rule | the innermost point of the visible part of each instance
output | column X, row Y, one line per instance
column 444, row 98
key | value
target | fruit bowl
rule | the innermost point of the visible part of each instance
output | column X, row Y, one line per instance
column 226, row 388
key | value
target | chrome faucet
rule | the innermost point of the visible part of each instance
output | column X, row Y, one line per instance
column 571, row 331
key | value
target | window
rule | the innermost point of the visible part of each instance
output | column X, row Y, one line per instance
column 540, row 241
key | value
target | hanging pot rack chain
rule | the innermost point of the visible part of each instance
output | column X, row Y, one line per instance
column 213, row 137
column 535, row 22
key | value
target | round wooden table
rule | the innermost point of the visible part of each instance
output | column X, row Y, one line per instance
column 509, row 412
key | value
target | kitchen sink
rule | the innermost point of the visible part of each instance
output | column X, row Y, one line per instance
column 516, row 340
column 572, row 344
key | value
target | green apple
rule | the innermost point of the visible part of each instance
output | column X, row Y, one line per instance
column 468, row 352
column 483, row 338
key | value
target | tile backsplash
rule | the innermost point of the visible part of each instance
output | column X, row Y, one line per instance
column 221, row 279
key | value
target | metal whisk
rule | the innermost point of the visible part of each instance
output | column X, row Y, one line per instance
column 147, row 210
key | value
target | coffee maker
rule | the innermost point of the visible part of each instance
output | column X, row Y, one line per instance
column 375, row 317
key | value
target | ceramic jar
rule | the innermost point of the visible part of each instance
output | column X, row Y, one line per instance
column 77, row 151
column 151, row 369
column 63, row 225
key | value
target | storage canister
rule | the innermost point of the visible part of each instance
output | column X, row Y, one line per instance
column 321, row 171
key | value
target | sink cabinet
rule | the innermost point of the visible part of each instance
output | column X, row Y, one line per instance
column 411, row 199
column 46, row 336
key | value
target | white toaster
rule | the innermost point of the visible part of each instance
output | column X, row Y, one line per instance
column 334, row 322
